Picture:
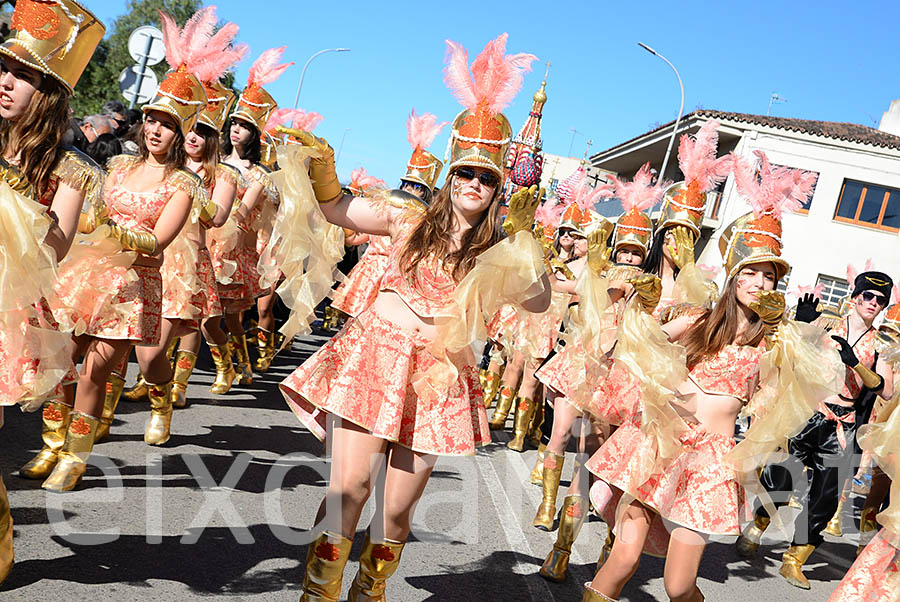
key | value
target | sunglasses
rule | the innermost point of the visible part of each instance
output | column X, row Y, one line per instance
column 485, row 177
column 870, row 296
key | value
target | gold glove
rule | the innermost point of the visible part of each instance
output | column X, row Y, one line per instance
column 321, row 168
column 133, row 240
column 95, row 216
column 682, row 246
column 522, row 206
column 208, row 210
column 769, row 306
column 557, row 265
column 648, row 288
column 13, row 176
column 597, row 252
column 872, row 380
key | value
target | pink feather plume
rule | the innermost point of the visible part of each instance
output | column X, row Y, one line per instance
column 495, row 77
column 297, row 118
column 266, row 69
column 852, row 273
column 816, row 290
column 697, row 158
column 895, row 294
column 361, row 180
column 772, row 189
column 205, row 52
column 639, row 194
column 586, row 196
column 550, row 212
column 421, row 130
column 173, row 40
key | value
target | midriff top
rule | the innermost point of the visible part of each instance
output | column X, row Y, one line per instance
column 430, row 293
column 734, row 371
column 864, row 349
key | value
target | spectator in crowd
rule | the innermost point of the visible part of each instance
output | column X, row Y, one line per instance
column 116, row 111
column 74, row 137
column 104, row 147
column 94, row 126
column 129, row 140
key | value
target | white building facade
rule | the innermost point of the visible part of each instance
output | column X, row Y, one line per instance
column 853, row 215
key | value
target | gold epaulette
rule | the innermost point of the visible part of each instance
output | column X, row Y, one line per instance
column 229, row 172
column 13, row 176
column 383, row 199
column 260, row 173
column 829, row 319
column 622, row 272
column 676, row 311
column 79, row 171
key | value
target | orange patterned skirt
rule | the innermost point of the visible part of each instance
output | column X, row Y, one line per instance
column 697, row 490
column 358, row 291
column 875, row 575
column 618, row 398
column 365, row 374
column 561, row 371
column 503, row 322
column 144, row 296
column 244, row 288
column 208, row 297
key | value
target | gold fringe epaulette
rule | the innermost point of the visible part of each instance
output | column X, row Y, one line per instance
column 261, row 173
column 829, row 319
column 622, row 273
column 887, row 345
column 678, row 310
column 81, row 172
column 382, row 200
column 229, row 172
column 124, row 162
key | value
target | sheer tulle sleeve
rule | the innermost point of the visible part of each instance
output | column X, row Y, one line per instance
column 694, row 288
column 507, row 273
column 882, row 440
column 35, row 356
column 304, row 247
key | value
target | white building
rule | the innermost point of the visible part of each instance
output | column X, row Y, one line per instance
column 853, row 215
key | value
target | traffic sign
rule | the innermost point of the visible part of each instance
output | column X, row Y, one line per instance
column 147, row 41
column 145, row 86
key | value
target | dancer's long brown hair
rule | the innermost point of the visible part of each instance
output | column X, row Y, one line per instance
column 209, row 161
column 36, row 136
column 432, row 236
column 717, row 328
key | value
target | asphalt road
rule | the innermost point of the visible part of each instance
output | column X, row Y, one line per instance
column 222, row 510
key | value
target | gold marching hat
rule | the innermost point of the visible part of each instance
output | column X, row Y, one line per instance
column 683, row 205
column 423, row 168
column 480, row 139
column 633, row 227
column 255, row 105
column 750, row 239
column 218, row 102
column 182, row 96
column 56, row 37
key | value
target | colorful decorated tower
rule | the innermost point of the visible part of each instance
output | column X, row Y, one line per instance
column 524, row 161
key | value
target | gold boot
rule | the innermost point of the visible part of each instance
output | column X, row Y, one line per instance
column 534, row 429
column 748, row 542
column 265, row 345
column 6, row 535
column 835, row 526
column 377, row 562
column 546, row 512
column 325, row 561
column 571, row 518
column 225, row 375
column 242, row 359
column 114, row 386
column 592, row 595
column 158, row 428
column 54, row 424
column 498, row 420
column 184, row 367
column 483, row 378
column 867, row 526
column 607, row 548
column 537, row 473
column 792, row 564
column 138, row 392
column 74, row 453
column 524, row 413
column 490, row 389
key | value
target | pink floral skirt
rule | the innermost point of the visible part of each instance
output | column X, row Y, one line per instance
column 502, row 322
column 208, row 297
column 617, row 399
column 358, row 291
column 697, row 490
column 143, row 295
column 244, row 288
column 561, row 371
column 875, row 575
column 365, row 374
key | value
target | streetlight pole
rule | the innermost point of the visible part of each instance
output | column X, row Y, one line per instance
column 308, row 61
column 662, row 172
column 341, row 147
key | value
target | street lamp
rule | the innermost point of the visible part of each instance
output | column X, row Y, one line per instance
column 302, row 73
column 662, row 172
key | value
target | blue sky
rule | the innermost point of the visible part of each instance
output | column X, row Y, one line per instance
column 831, row 60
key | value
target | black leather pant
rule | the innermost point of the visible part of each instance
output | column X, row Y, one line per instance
column 818, row 449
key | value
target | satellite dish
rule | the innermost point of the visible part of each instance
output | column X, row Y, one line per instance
column 138, row 44
column 145, row 88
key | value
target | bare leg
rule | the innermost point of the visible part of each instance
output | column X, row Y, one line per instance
column 233, row 323
column 264, row 306
column 212, row 331
column 513, row 371
column 356, row 456
column 682, row 563
column 405, row 479
column 154, row 364
column 529, row 381
column 633, row 526
column 190, row 342
column 564, row 417
column 102, row 357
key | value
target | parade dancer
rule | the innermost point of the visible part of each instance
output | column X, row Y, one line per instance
column 44, row 188
column 256, row 194
column 826, row 445
column 220, row 182
column 149, row 199
column 675, row 464
column 400, row 380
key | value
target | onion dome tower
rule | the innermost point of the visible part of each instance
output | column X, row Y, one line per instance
column 524, row 162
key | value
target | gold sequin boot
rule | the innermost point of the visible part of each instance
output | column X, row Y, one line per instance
column 184, row 367
column 74, row 453
column 325, row 561
column 377, row 562
column 54, row 424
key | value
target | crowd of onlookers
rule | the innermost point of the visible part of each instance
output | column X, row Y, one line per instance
column 110, row 132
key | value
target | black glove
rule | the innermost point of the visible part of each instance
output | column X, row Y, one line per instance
column 806, row 309
column 846, row 351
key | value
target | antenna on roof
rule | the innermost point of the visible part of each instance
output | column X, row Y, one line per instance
column 775, row 99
